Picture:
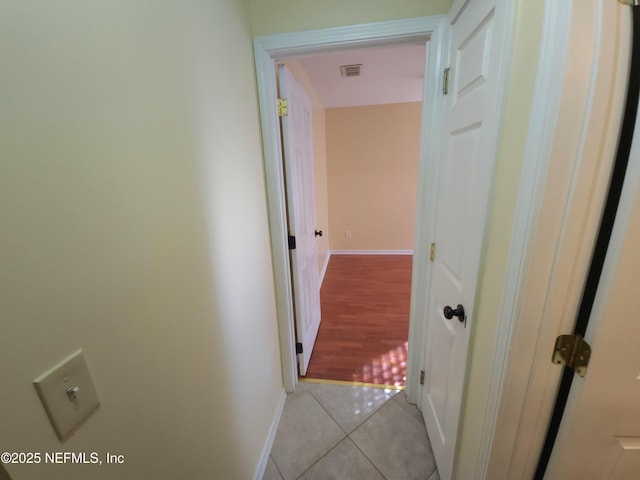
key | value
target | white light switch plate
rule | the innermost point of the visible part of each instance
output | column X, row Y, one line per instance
column 67, row 393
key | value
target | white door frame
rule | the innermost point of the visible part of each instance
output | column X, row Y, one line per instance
column 267, row 49
column 542, row 127
column 571, row 142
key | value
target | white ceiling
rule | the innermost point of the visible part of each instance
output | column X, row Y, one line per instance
column 390, row 74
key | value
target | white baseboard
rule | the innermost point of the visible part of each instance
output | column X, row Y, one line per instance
column 324, row 267
column 371, row 252
column 264, row 458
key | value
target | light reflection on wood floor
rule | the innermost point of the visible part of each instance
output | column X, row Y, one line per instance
column 365, row 320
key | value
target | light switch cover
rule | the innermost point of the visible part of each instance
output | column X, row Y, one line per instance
column 67, row 393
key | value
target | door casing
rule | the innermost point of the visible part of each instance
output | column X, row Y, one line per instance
column 270, row 48
column 267, row 50
column 570, row 147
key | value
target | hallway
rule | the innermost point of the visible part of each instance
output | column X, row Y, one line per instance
column 340, row 432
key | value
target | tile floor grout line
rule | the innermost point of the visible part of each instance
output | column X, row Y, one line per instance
column 377, row 414
column 320, row 459
column 348, row 435
column 328, row 413
column 431, row 474
column 275, row 465
column 334, row 421
column 357, row 426
column 370, row 417
column 365, row 455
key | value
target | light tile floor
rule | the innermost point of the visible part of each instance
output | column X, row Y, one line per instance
column 350, row 433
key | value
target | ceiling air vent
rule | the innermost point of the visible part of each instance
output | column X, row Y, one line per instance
column 350, row 70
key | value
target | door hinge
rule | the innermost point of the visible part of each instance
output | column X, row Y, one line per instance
column 445, row 81
column 432, row 252
column 298, row 348
column 283, row 108
column 573, row 352
column 292, row 242
column 421, row 377
column 633, row 3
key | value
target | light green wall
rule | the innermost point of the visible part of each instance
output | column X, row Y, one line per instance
column 134, row 225
column 278, row 16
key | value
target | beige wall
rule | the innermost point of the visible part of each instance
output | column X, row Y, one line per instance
column 278, row 16
column 134, row 225
column 372, row 169
column 319, row 159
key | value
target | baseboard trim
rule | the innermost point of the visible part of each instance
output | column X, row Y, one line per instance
column 371, row 252
column 264, row 458
column 324, row 267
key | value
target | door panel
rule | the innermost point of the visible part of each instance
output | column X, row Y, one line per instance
column 599, row 436
column 473, row 60
column 455, row 190
column 626, row 459
column 297, row 139
column 441, row 353
column 465, row 172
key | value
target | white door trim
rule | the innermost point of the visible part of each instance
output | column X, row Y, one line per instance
column 266, row 50
column 545, row 276
column 537, row 155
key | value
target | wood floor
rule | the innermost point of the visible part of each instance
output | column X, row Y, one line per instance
column 365, row 320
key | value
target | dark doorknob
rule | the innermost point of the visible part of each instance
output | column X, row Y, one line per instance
column 318, row 233
column 449, row 313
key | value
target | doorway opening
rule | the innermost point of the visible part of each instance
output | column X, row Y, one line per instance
column 280, row 47
column 366, row 110
column 366, row 146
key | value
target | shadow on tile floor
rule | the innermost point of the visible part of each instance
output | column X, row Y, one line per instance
column 350, row 433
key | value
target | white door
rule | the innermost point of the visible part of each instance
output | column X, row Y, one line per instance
column 464, row 179
column 599, row 437
column 297, row 142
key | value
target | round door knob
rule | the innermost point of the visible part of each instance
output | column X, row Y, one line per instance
column 449, row 313
column 318, row 233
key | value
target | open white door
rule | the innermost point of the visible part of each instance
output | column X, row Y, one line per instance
column 464, row 182
column 297, row 140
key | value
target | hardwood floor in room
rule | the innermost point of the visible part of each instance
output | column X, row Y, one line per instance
column 363, row 335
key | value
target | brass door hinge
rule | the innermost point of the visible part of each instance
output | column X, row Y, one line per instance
column 432, row 252
column 573, row 352
column 283, row 108
column 445, row 81
column 421, row 377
